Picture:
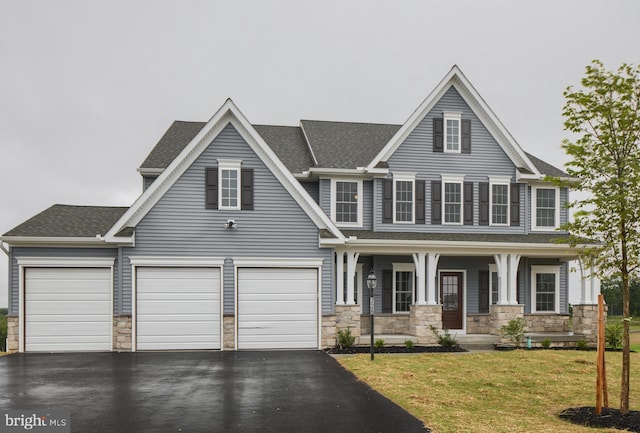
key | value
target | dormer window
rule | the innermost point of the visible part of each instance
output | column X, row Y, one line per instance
column 346, row 203
column 404, row 197
column 452, row 132
column 546, row 210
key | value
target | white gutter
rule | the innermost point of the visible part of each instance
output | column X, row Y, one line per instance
column 2, row 247
column 97, row 241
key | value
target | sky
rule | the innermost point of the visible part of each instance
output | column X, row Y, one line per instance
column 87, row 88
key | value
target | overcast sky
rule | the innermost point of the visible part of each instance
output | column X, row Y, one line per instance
column 87, row 88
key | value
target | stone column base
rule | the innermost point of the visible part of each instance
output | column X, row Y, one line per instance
column 122, row 333
column 348, row 316
column 12, row 334
column 585, row 321
column 502, row 314
column 421, row 318
column 229, row 332
column 328, row 337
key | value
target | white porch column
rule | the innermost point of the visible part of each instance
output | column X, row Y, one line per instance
column 503, row 278
column 352, row 260
column 340, row 278
column 594, row 287
column 432, row 283
column 419, row 261
column 583, row 285
column 514, row 261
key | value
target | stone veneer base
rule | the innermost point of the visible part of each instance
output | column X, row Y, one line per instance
column 12, row 334
column 229, row 332
column 122, row 333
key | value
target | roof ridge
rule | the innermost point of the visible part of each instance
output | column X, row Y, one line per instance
column 351, row 123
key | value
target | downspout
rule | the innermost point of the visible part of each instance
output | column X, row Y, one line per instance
column 2, row 247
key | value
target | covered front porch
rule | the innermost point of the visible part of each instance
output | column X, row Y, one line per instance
column 466, row 289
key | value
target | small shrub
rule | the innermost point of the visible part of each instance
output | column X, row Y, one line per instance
column 379, row 344
column 613, row 336
column 546, row 343
column 582, row 345
column 445, row 339
column 514, row 331
column 408, row 344
column 345, row 338
column 3, row 332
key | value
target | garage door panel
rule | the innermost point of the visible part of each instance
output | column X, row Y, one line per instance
column 68, row 309
column 178, row 308
column 277, row 308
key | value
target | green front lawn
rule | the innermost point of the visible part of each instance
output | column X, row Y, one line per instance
column 517, row 391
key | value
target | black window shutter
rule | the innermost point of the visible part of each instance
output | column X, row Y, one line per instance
column 466, row 136
column 438, row 135
column 468, row 203
column 246, row 191
column 211, row 188
column 515, row 204
column 484, row 203
column 436, row 202
column 483, row 291
column 387, row 291
column 387, row 201
column 420, row 202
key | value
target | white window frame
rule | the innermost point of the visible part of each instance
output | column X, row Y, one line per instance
column 547, row 269
column 506, row 181
column 452, row 179
column 358, row 286
column 403, row 267
column 405, row 177
column 229, row 165
column 457, row 117
column 358, row 223
column 534, row 208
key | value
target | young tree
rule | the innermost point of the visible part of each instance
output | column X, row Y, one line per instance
column 604, row 116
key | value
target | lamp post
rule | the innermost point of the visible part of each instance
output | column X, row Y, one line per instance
column 372, row 282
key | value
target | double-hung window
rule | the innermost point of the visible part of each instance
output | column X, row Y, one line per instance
column 403, row 287
column 499, row 205
column 545, row 208
column 346, row 206
column 545, row 289
column 404, row 198
column 229, row 184
column 452, row 133
column 452, row 199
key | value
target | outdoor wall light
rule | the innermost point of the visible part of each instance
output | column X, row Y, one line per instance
column 231, row 225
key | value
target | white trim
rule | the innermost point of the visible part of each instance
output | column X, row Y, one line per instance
column 360, row 196
column 493, row 268
column 534, row 207
column 277, row 262
column 402, row 267
column 405, row 177
column 173, row 262
column 56, row 262
column 456, row 79
column 456, row 116
column 505, row 181
column 150, row 171
column 545, row 269
column 96, row 241
column 452, row 179
column 227, row 114
column 464, row 298
column 176, row 262
column 229, row 165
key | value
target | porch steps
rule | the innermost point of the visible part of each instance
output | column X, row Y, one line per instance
column 554, row 337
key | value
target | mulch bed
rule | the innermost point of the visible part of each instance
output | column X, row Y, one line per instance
column 394, row 349
column 609, row 418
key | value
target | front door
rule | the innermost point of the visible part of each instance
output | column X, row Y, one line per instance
column 451, row 297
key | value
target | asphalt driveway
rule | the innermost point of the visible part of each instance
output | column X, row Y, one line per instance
column 235, row 392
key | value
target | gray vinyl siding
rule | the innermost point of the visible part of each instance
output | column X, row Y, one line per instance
column 367, row 205
column 18, row 252
column 179, row 224
column 415, row 155
column 147, row 181
column 325, row 195
column 313, row 188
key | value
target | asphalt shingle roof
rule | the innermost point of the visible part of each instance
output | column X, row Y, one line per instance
column 346, row 144
column 175, row 139
column 289, row 144
column 546, row 168
column 69, row 221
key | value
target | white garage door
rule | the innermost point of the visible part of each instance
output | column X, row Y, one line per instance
column 277, row 308
column 67, row 309
column 178, row 308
